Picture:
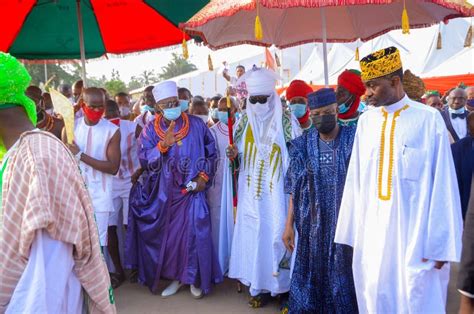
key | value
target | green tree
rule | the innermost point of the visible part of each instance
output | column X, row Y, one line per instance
column 134, row 83
column 58, row 73
column 115, row 85
column 177, row 66
column 147, row 77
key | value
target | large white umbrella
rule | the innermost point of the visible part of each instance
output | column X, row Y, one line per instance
column 224, row 23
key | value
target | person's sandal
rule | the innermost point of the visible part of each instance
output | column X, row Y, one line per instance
column 116, row 280
column 259, row 301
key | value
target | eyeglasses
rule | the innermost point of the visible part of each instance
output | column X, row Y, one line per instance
column 170, row 104
column 261, row 99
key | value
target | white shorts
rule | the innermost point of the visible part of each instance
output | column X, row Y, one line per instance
column 102, row 220
column 120, row 211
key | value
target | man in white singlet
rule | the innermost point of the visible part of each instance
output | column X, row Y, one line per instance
column 97, row 149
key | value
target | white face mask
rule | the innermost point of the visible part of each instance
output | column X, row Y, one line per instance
column 204, row 118
column 261, row 109
column 124, row 111
column 50, row 111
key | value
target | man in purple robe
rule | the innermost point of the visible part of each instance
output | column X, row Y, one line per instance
column 169, row 228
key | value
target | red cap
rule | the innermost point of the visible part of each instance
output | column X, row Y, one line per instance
column 350, row 80
column 298, row 88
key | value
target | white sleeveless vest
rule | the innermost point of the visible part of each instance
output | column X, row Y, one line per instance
column 93, row 141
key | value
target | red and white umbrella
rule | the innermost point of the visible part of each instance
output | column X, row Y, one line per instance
column 224, row 23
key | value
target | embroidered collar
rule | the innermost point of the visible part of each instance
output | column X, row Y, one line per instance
column 396, row 106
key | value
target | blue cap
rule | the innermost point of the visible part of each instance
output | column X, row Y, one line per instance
column 321, row 98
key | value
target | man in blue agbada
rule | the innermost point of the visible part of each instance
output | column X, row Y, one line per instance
column 322, row 279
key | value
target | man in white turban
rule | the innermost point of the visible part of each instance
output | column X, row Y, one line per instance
column 258, row 257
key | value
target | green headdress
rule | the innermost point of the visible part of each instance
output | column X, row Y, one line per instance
column 14, row 79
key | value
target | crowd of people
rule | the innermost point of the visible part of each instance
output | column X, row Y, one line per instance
column 345, row 200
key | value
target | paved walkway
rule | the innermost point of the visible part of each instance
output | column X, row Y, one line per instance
column 136, row 299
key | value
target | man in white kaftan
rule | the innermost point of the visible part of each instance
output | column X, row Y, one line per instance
column 401, row 209
column 219, row 195
column 260, row 138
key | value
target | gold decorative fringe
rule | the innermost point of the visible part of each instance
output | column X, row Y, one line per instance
column 405, row 21
column 468, row 40
column 209, row 63
column 258, row 29
column 357, row 54
column 184, row 45
column 439, row 43
column 185, row 49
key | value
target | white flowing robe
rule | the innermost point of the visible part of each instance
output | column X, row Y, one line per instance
column 48, row 284
column 257, row 246
column 401, row 205
column 221, row 183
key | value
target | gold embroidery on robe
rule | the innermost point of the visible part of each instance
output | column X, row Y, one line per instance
column 387, row 195
column 260, row 167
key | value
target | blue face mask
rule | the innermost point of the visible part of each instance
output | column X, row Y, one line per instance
column 184, row 104
column 298, row 110
column 238, row 115
column 470, row 102
column 345, row 106
column 214, row 113
column 172, row 114
column 457, row 111
column 146, row 108
column 223, row 117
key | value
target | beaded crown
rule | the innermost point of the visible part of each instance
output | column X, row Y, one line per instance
column 380, row 63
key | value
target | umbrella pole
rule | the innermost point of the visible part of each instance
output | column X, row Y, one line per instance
column 81, row 41
column 325, row 48
column 45, row 72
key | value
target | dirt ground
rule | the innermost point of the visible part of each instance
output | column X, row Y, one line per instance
column 136, row 299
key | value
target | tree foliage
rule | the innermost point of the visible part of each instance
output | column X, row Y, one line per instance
column 115, row 85
column 59, row 74
column 177, row 66
column 148, row 78
column 135, row 83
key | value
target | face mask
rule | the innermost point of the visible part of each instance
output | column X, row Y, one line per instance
column 345, row 106
column 298, row 110
column 238, row 115
column 261, row 109
column 325, row 123
column 184, row 104
column 115, row 121
column 50, row 111
column 470, row 102
column 124, row 111
column 146, row 108
column 92, row 115
column 457, row 111
column 172, row 114
column 214, row 113
column 223, row 117
column 203, row 117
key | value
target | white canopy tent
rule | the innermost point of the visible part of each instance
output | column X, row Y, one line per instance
column 418, row 51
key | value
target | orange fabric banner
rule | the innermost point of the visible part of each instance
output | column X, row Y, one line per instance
column 445, row 83
column 439, row 83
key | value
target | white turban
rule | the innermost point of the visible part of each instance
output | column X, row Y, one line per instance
column 260, row 81
column 165, row 90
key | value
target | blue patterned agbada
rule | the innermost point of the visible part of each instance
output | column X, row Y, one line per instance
column 322, row 279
